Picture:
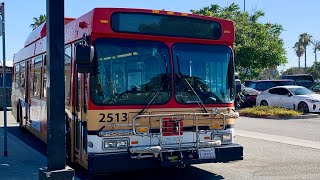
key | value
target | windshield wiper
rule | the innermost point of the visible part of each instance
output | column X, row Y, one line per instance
column 168, row 77
column 200, row 103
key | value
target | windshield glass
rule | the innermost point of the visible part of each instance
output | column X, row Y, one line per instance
column 130, row 72
column 301, row 91
column 209, row 70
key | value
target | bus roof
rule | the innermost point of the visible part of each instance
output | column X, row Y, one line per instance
column 98, row 19
column 40, row 32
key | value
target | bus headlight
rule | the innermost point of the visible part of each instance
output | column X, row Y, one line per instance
column 122, row 143
column 226, row 137
column 217, row 137
column 114, row 143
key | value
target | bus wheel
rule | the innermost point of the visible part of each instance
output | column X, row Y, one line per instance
column 68, row 141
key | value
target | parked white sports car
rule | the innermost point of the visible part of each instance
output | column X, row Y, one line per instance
column 291, row 97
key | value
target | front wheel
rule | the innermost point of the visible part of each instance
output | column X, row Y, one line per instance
column 303, row 107
column 264, row 103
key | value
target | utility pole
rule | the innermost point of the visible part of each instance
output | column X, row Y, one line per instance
column 244, row 5
column 5, row 149
column 56, row 163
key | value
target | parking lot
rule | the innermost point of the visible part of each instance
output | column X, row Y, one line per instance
column 273, row 149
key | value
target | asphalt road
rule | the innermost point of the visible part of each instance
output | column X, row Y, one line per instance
column 269, row 153
column 307, row 129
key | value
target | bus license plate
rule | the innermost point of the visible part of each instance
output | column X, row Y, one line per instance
column 207, row 153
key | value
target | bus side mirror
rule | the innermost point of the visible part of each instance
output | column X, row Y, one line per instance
column 238, row 85
column 83, row 58
column 238, row 88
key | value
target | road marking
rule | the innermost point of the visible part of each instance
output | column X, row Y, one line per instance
column 280, row 139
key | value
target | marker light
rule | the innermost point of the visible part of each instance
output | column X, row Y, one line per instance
column 142, row 129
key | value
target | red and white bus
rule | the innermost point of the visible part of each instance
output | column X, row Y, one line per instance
column 143, row 88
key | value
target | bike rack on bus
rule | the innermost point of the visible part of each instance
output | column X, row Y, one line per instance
column 158, row 149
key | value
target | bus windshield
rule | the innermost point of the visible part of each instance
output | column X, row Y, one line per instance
column 130, row 72
column 208, row 69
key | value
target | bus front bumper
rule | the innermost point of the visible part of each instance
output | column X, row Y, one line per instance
column 123, row 161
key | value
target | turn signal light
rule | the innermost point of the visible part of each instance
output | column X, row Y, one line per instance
column 207, row 138
column 214, row 126
column 134, row 142
column 142, row 129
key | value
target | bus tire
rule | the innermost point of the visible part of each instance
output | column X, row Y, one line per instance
column 68, row 141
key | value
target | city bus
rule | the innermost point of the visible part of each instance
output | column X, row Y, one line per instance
column 143, row 89
column 5, row 89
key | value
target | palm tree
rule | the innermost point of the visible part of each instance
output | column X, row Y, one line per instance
column 305, row 38
column 299, row 49
column 38, row 21
column 316, row 48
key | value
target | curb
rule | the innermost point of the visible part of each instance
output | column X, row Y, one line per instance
column 305, row 116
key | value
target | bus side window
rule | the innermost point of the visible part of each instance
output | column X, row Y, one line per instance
column 67, row 73
column 22, row 78
column 44, row 77
column 37, row 76
column 16, row 76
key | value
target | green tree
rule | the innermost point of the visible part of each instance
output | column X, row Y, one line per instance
column 258, row 46
column 38, row 21
column 305, row 38
column 314, row 70
column 316, row 47
column 293, row 70
column 299, row 50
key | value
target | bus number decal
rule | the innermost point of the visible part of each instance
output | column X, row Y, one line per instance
column 124, row 116
column 103, row 116
column 110, row 117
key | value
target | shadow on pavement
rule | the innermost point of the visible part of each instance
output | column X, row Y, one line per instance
column 165, row 174
column 29, row 139
column 154, row 174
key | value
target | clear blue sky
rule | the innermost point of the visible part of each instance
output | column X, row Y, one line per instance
column 296, row 17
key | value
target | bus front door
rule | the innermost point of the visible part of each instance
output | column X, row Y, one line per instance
column 80, row 119
column 25, row 107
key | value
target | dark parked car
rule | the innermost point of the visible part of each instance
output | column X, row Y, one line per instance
column 315, row 88
column 261, row 85
column 247, row 82
column 250, row 95
column 305, row 80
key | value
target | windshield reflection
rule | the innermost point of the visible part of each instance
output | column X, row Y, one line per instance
column 208, row 69
column 301, row 91
column 129, row 72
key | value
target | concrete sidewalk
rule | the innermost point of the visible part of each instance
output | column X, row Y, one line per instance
column 22, row 162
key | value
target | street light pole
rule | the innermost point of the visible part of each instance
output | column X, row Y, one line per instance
column 5, row 150
column 244, row 5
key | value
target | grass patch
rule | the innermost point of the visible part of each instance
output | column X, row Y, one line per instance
column 263, row 111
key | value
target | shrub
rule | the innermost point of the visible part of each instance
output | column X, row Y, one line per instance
column 263, row 111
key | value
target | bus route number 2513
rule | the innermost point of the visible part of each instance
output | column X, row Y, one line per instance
column 110, row 117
